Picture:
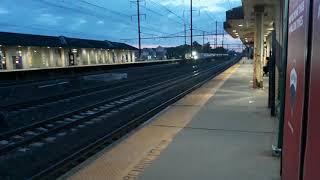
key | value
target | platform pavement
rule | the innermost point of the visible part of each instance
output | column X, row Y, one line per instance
column 221, row 131
column 229, row 139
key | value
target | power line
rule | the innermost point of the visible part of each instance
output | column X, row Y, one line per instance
column 104, row 8
column 168, row 37
column 101, row 8
column 159, row 14
column 170, row 11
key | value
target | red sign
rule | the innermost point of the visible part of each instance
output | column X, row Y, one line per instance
column 295, row 83
column 312, row 156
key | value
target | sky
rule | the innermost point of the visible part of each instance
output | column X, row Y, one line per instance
column 116, row 20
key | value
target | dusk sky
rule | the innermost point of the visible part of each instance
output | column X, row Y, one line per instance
column 114, row 20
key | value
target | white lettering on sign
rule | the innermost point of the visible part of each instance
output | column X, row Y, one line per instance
column 296, row 18
column 296, row 24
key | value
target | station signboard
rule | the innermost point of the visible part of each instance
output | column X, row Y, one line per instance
column 312, row 153
column 295, row 83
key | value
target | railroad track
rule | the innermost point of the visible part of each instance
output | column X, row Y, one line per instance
column 18, row 113
column 19, row 83
column 38, row 132
column 76, row 93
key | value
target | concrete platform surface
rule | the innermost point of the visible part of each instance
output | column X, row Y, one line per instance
column 230, row 138
column 220, row 131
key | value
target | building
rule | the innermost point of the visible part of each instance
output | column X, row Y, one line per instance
column 26, row 51
column 158, row 53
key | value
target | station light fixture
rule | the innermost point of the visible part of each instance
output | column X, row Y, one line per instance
column 240, row 25
column 60, row 47
column 19, row 46
column 0, row 45
column 48, row 47
column 234, row 30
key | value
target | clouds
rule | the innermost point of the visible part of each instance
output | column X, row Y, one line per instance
column 214, row 6
column 3, row 11
column 49, row 19
column 100, row 22
column 110, row 19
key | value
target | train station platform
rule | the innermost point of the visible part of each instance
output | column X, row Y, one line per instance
column 222, row 130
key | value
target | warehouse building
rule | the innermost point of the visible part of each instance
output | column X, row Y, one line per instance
column 25, row 51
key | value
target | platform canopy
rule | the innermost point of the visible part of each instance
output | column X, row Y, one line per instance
column 240, row 21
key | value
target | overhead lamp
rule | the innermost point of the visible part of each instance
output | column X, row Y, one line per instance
column 234, row 31
column 48, row 47
column 240, row 25
column 60, row 47
column 0, row 45
column 19, row 46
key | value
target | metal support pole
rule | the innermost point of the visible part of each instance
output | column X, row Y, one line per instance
column 216, row 40
column 222, row 42
column 191, row 28
column 282, row 79
column 185, row 34
column 139, row 28
column 203, row 38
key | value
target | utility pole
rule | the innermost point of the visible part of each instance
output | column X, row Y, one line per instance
column 216, row 40
column 139, row 28
column 202, row 38
column 222, row 42
column 137, row 3
column 191, row 28
column 185, row 34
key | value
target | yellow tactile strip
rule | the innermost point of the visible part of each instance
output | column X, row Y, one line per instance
column 131, row 156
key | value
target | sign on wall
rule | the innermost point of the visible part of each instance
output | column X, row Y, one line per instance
column 295, row 83
column 312, row 155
